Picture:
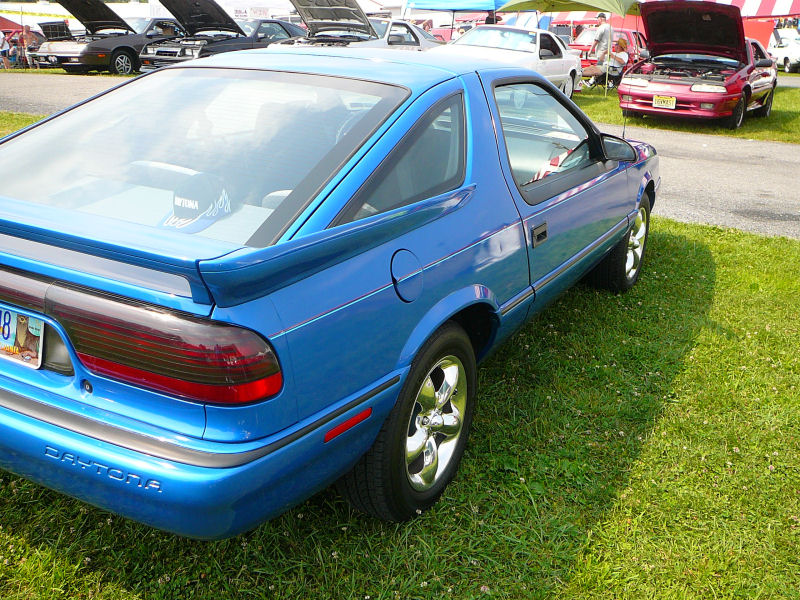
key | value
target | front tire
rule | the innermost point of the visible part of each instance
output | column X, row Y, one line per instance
column 737, row 116
column 122, row 63
column 420, row 445
column 620, row 269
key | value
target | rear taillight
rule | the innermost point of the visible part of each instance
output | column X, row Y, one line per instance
column 164, row 351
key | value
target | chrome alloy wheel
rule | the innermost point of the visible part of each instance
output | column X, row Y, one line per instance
column 636, row 242
column 435, row 423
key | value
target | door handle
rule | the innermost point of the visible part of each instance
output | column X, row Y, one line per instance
column 538, row 234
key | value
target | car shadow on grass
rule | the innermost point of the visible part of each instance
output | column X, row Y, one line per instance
column 564, row 410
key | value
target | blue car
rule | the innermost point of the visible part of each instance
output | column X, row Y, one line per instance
column 239, row 280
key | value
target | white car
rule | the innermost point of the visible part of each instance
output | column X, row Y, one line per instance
column 785, row 49
column 535, row 49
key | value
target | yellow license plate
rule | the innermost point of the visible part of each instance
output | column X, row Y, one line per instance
column 663, row 101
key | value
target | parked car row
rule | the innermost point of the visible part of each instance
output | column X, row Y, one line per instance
column 202, row 28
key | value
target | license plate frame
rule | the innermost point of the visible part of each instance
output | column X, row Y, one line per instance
column 664, row 102
column 21, row 346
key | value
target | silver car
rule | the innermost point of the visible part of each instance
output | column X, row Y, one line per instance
column 342, row 23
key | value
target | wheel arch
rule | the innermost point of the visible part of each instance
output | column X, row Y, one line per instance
column 474, row 308
column 650, row 191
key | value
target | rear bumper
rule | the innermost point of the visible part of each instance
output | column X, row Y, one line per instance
column 210, row 490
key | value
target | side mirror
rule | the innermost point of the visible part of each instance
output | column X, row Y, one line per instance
column 396, row 39
column 764, row 63
column 615, row 148
column 545, row 53
column 644, row 54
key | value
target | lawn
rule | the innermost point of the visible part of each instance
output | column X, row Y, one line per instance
column 636, row 446
column 783, row 125
column 10, row 122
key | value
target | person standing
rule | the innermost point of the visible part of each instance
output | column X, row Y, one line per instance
column 602, row 40
column 28, row 43
column 4, row 48
column 492, row 18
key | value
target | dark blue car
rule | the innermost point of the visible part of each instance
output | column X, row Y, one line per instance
column 245, row 278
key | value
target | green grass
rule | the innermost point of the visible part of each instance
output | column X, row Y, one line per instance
column 636, row 446
column 11, row 122
column 783, row 125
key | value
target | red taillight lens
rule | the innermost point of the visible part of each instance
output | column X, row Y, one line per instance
column 172, row 353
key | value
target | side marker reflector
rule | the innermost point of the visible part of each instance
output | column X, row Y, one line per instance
column 351, row 422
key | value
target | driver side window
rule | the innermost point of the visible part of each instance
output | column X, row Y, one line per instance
column 544, row 141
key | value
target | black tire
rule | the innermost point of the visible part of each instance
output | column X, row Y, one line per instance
column 765, row 109
column 620, row 269
column 737, row 116
column 569, row 86
column 383, row 483
column 123, row 63
column 787, row 65
column 631, row 114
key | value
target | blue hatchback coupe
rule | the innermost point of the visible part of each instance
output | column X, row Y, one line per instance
column 239, row 280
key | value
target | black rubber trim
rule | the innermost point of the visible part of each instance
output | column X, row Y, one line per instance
column 151, row 446
column 504, row 310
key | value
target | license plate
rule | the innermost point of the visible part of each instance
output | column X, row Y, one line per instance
column 21, row 338
column 663, row 101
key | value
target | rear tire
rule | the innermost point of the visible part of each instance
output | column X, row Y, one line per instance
column 420, row 445
column 765, row 109
column 568, row 86
column 619, row 270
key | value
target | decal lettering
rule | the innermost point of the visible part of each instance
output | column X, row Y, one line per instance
column 102, row 470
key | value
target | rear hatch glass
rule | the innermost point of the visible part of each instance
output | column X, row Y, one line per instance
column 213, row 153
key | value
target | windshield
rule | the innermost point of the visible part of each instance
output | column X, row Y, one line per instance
column 491, row 37
column 138, row 24
column 379, row 26
column 586, row 37
column 218, row 153
column 695, row 59
column 248, row 26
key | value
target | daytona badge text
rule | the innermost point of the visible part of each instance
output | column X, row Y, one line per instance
column 103, row 470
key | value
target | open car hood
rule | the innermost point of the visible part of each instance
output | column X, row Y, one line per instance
column 95, row 15
column 56, row 31
column 333, row 15
column 199, row 15
column 689, row 26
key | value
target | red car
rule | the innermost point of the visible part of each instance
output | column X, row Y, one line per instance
column 700, row 65
column 583, row 43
